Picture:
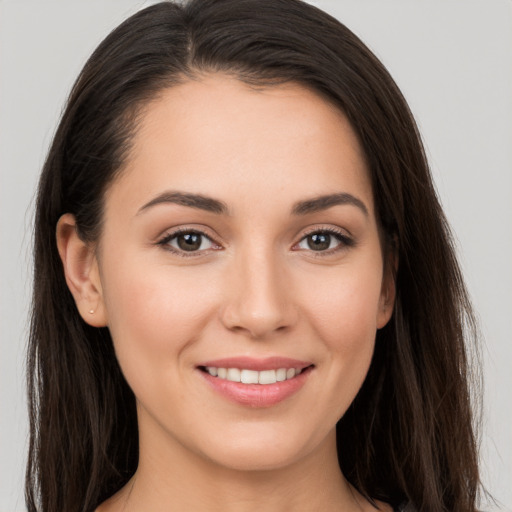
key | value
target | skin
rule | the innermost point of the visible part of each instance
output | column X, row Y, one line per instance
column 256, row 289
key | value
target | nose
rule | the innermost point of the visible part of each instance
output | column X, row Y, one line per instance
column 259, row 297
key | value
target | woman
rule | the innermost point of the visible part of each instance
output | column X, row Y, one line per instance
column 245, row 291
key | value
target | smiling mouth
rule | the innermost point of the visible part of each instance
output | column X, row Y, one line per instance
column 245, row 376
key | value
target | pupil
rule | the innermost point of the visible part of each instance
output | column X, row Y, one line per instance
column 189, row 241
column 319, row 241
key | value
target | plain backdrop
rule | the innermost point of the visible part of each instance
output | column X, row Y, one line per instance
column 451, row 58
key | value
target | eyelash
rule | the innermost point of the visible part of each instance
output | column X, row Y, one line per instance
column 345, row 241
column 164, row 242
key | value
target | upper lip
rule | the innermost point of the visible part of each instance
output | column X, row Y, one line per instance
column 251, row 363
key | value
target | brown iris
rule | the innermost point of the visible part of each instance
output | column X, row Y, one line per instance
column 189, row 241
column 319, row 241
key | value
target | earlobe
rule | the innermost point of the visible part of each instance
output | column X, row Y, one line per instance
column 387, row 302
column 81, row 271
column 388, row 290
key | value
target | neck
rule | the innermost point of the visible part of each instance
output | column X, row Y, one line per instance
column 171, row 477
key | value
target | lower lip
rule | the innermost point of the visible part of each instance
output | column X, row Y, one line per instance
column 257, row 395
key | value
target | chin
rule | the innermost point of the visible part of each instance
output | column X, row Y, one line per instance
column 258, row 451
column 251, row 459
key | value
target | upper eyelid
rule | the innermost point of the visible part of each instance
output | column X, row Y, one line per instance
column 343, row 235
column 315, row 229
column 344, row 238
column 163, row 242
column 327, row 229
column 172, row 233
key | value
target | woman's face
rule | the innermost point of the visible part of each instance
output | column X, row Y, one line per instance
column 242, row 236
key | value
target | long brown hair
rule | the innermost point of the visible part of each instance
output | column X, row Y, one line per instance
column 409, row 434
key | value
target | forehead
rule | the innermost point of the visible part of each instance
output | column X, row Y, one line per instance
column 218, row 136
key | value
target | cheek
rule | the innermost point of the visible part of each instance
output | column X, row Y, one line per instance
column 344, row 316
column 345, row 309
column 152, row 316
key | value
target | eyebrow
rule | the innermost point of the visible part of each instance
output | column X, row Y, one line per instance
column 209, row 204
column 321, row 203
column 191, row 200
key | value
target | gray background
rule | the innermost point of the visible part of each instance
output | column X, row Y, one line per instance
column 452, row 59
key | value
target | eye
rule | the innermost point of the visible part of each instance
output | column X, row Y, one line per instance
column 187, row 241
column 325, row 240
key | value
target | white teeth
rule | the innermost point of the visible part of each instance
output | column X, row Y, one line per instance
column 233, row 374
column 249, row 377
column 281, row 374
column 252, row 376
column 267, row 377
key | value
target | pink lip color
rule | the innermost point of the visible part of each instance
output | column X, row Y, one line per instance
column 258, row 395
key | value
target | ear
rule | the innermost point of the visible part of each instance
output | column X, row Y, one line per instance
column 388, row 289
column 81, row 271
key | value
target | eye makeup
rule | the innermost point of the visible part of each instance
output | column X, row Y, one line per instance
column 193, row 242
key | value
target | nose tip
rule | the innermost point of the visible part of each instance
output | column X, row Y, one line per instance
column 259, row 303
column 256, row 324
